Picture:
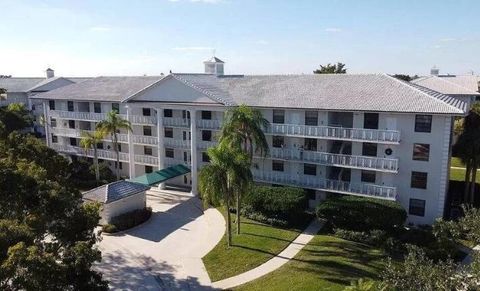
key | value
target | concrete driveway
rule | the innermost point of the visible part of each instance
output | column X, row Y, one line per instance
column 165, row 252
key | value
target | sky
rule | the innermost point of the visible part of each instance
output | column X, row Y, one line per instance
column 116, row 37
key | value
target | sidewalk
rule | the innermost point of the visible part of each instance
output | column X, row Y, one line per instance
column 276, row 262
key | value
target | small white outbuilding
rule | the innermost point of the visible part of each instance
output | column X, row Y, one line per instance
column 117, row 198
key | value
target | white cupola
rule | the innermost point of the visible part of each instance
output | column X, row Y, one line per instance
column 214, row 66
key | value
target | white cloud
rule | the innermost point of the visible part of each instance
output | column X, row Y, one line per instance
column 100, row 28
column 193, row 48
column 333, row 29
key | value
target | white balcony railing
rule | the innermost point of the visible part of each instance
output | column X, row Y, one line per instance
column 78, row 151
column 176, row 122
column 172, row 162
column 143, row 139
column 338, row 160
column 87, row 116
column 209, row 124
column 336, row 133
column 73, row 132
column 358, row 189
column 140, row 119
column 175, row 143
column 203, row 145
column 147, row 160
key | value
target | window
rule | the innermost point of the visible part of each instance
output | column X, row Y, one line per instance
column 310, row 169
column 205, row 158
column 148, row 169
column 97, row 107
column 73, row 141
column 100, row 145
column 278, row 141
column 146, row 112
column 148, row 151
column 51, row 104
column 185, row 157
column 370, row 120
column 368, row 176
column 419, row 180
column 120, row 165
column 71, row 124
column 54, row 138
column 278, row 116
column 185, row 114
column 416, row 207
column 206, row 135
column 421, row 151
column 277, row 166
column 70, row 106
column 116, row 107
column 147, row 130
column 169, row 153
column 423, row 123
column 207, row 115
column 369, row 149
column 119, row 147
column 53, row 122
column 310, row 144
column 311, row 118
column 167, row 113
column 168, row 132
column 185, row 135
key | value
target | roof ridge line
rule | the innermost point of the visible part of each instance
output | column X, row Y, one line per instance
column 206, row 92
column 424, row 93
column 454, row 84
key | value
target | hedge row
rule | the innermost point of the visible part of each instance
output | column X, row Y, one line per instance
column 128, row 220
column 361, row 214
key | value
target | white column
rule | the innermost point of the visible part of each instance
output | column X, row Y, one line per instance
column 193, row 149
column 131, row 147
column 47, row 122
column 160, row 145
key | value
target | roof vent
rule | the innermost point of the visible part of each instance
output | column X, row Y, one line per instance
column 50, row 73
column 434, row 71
column 214, row 66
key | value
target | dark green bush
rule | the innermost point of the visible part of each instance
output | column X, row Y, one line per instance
column 131, row 219
column 277, row 203
column 375, row 237
column 362, row 214
column 109, row 228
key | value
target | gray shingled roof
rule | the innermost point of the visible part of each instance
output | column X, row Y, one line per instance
column 46, row 81
column 114, row 191
column 114, row 89
column 19, row 84
column 371, row 92
column 448, row 85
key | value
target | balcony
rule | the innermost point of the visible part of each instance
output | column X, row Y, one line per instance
column 78, row 151
column 175, row 143
column 73, row 132
column 147, row 140
column 337, row 160
column 176, row 122
column 87, row 116
column 212, row 124
column 336, row 133
column 143, row 120
column 357, row 189
column 146, row 160
column 203, row 145
column 172, row 162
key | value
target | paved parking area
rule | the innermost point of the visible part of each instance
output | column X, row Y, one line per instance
column 165, row 252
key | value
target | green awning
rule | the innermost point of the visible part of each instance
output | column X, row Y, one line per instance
column 161, row 175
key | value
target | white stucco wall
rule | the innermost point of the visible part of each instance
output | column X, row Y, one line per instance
column 110, row 210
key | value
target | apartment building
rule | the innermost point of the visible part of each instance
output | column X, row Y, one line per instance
column 366, row 135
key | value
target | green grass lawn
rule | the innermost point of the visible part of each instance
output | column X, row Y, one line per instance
column 456, row 162
column 256, row 244
column 459, row 175
column 326, row 263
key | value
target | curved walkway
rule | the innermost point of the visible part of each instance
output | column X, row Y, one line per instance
column 165, row 252
column 276, row 262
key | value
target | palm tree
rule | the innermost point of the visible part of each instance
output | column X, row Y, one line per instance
column 243, row 128
column 468, row 149
column 88, row 141
column 112, row 125
column 227, row 175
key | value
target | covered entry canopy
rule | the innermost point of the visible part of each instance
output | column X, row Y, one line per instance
column 161, row 175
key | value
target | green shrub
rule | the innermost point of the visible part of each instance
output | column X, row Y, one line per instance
column 277, row 203
column 131, row 219
column 257, row 216
column 109, row 228
column 375, row 237
column 362, row 214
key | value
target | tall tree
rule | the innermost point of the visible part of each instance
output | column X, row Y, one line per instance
column 90, row 141
column 467, row 148
column 338, row 68
column 243, row 128
column 227, row 174
column 14, row 117
column 111, row 126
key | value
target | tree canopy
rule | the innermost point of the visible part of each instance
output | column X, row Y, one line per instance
column 338, row 68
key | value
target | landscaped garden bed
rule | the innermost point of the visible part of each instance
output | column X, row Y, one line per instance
column 128, row 220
